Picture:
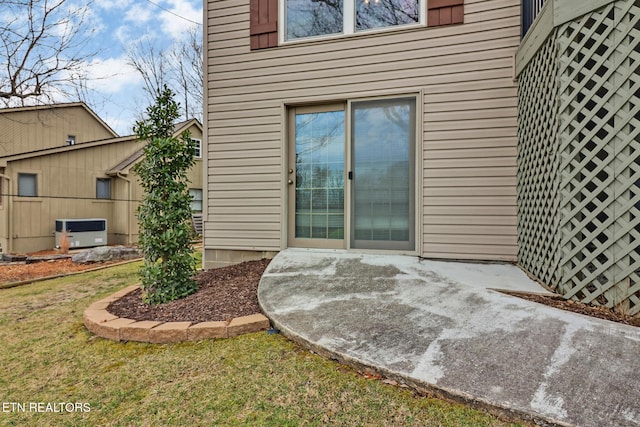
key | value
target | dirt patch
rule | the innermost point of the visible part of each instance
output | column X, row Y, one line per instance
column 224, row 293
column 19, row 272
column 578, row 307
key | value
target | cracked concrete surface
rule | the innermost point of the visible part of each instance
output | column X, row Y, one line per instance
column 440, row 324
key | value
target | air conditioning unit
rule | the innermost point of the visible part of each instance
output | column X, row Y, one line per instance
column 83, row 233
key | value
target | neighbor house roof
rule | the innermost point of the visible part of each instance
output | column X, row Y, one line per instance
column 178, row 128
column 63, row 149
column 62, row 105
column 125, row 165
column 122, row 167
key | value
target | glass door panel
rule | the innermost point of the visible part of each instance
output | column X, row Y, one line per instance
column 317, row 169
column 383, row 141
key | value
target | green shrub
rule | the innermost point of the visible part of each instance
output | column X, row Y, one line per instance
column 165, row 211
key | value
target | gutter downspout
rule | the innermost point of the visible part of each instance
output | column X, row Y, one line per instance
column 9, row 210
column 128, row 181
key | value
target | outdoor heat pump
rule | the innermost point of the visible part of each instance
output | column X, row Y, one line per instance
column 83, row 233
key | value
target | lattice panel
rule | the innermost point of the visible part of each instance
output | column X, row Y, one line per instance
column 597, row 108
column 538, row 161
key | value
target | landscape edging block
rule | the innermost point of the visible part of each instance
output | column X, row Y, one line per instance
column 98, row 320
column 247, row 324
column 169, row 332
column 138, row 331
column 207, row 330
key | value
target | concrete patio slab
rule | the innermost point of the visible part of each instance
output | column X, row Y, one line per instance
column 439, row 326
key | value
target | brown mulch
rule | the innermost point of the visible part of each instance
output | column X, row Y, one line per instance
column 224, row 293
column 231, row 292
column 11, row 273
column 578, row 307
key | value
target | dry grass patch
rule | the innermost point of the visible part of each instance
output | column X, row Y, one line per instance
column 258, row 379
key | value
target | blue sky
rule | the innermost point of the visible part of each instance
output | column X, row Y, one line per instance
column 116, row 89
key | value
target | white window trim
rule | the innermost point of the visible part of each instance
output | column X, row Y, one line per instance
column 199, row 147
column 349, row 24
column 201, row 199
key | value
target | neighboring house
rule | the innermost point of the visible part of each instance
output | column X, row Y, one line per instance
column 439, row 128
column 63, row 162
column 391, row 126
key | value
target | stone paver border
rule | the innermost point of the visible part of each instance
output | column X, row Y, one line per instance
column 106, row 325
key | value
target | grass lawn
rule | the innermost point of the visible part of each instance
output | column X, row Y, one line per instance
column 48, row 356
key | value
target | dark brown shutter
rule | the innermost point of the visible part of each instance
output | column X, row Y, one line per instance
column 263, row 23
column 445, row 12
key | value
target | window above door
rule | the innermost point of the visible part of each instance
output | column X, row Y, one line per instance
column 273, row 22
column 315, row 18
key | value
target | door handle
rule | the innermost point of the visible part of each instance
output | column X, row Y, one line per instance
column 290, row 182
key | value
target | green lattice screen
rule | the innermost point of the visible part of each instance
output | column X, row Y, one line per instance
column 539, row 238
column 579, row 165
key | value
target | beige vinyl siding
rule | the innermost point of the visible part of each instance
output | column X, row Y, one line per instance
column 469, row 172
column 463, row 75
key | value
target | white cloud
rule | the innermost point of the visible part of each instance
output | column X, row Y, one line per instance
column 123, row 34
column 122, row 126
column 111, row 75
column 95, row 22
column 176, row 26
column 138, row 14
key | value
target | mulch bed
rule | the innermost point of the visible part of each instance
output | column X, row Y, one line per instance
column 224, row 293
column 578, row 307
column 231, row 291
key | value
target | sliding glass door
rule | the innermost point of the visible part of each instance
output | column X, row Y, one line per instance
column 316, row 177
column 383, row 146
column 378, row 175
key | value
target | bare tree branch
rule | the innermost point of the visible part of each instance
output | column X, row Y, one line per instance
column 186, row 63
column 179, row 67
column 44, row 46
column 150, row 63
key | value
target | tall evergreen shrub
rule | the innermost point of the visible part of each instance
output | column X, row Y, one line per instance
column 165, row 210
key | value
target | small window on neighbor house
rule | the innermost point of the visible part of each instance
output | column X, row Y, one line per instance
column 196, row 199
column 71, row 140
column 197, row 148
column 27, row 185
column 103, row 188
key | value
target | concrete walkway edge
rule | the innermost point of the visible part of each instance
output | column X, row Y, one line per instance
column 504, row 413
column 439, row 328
